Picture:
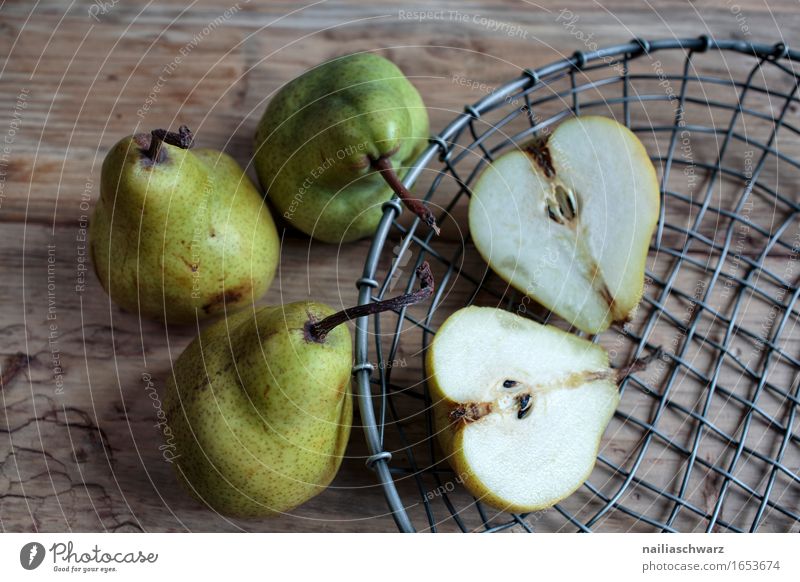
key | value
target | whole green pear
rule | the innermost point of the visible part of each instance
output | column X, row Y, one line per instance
column 260, row 414
column 331, row 141
column 258, row 407
column 180, row 233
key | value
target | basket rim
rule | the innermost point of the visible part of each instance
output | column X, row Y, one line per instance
column 378, row 459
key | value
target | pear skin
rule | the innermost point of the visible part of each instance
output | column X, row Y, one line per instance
column 260, row 413
column 187, row 236
column 319, row 137
column 259, row 409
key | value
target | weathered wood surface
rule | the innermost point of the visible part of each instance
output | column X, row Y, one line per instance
column 84, row 454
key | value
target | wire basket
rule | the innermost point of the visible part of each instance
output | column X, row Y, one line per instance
column 704, row 440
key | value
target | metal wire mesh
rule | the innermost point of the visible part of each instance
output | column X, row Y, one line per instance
column 707, row 439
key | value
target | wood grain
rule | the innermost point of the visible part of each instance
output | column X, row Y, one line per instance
column 82, row 452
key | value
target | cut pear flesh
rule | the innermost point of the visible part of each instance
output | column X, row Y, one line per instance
column 520, row 407
column 568, row 220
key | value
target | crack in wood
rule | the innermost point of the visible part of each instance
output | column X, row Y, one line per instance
column 13, row 365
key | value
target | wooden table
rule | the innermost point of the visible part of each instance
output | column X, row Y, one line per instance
column 82, row 449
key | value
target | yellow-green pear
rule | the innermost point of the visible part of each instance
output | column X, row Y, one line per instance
column 520, row 407
column 332, row 142
column 258, row 406
column 180, row 233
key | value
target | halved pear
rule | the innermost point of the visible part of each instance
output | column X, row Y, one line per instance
column 520, row 407
column 568, row 220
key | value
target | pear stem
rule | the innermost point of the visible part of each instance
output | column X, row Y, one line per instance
column 317, row 331
column 638, row 365
column 183, row 138
column 384, row 165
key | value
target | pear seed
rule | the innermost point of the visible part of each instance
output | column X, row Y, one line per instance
column 566, row 203
column 554, row 212
column 509, row 383
column 524, row 405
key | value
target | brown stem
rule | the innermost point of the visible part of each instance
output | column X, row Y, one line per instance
column 317, row 331
column 638, row 365
column 183, row 138
column 384, row 165
column 469, row 412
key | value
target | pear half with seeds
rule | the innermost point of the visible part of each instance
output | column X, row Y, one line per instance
column 568, row 220
column 520, row 407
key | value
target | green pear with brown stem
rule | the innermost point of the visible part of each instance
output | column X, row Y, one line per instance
column 259, row 407
column 180, row 234
column 333, row 144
